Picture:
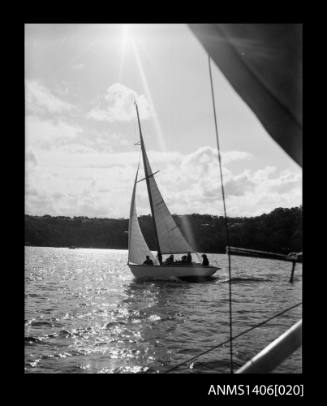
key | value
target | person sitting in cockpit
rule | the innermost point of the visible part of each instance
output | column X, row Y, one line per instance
column 148, row 261
column 205, row 261
column 170, row 260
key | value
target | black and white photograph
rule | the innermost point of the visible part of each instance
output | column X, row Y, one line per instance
column 163, row 199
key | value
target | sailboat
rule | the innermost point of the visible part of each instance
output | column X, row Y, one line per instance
column 168, row 237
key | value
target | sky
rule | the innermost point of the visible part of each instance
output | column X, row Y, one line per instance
column 81, row 126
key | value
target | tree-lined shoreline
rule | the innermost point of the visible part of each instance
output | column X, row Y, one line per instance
column 277, row 231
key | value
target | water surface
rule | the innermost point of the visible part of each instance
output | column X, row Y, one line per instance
column 85, row 313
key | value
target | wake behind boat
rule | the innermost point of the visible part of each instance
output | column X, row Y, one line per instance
column 168, row 237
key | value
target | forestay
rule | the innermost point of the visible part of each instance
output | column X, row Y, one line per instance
column 171, row 239
column 137, row 247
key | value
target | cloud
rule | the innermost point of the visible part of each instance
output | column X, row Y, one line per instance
column 38, row 202
column 40, row 100
column 272, row 188
column 30, row 158
column 30, row 191
column 68, row 137
column 207, row 156
column 287, row 182
column 117, row 104
column 93, row 184
column 193, row 185
column 239, row 185
column 231, row 156
column 79, row 66
column 46, row 135
column 74, row 191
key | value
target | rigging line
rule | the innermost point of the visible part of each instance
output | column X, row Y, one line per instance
column 233, row 338
column 226, row 221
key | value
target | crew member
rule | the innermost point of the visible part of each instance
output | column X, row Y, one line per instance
column 148, row 261
column 205, row 261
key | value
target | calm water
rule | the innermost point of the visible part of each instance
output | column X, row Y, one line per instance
column 85, row 313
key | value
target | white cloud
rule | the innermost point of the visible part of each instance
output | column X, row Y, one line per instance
column 100, row 184
column 208, row 157
column 40, row 100
column 117, row 104
column 239, row 185
column 45, row 134
column 231, row 156
column 193, row 185
column 79, row 66
column 30, row 158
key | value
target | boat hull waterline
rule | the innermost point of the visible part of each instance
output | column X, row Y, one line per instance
column 168, row 272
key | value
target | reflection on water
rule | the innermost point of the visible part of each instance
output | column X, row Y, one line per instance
column 85, row 313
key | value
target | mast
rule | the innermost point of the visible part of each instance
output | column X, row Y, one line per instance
column 148, row 185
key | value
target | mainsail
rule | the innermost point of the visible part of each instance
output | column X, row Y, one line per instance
column 170, row 238
column 137, row 247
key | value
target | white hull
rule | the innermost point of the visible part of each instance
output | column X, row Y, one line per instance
column 164, row 272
